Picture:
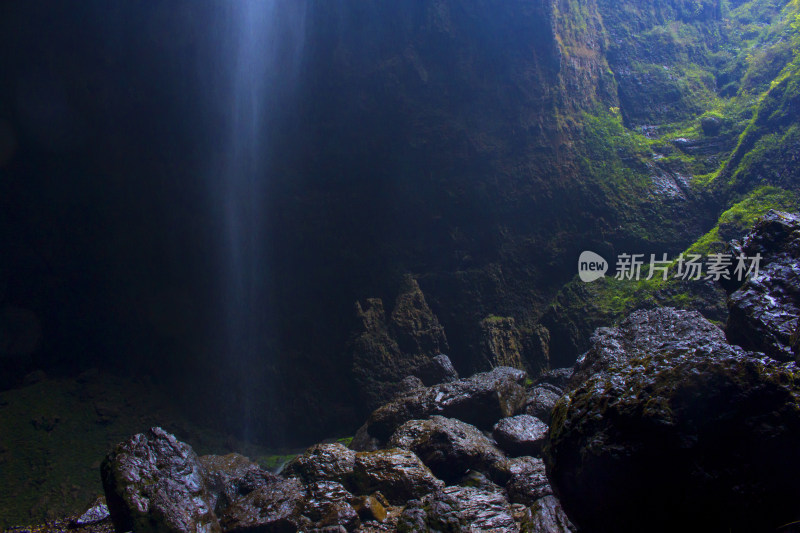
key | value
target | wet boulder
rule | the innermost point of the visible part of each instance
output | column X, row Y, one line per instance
column 276, row 505
column 763, row 312
column 688, row 433
column 438, row 369
column 456, row 509
column 154, row 483
column 328, row 504
column 397, row 474
column 540, row 402
column 322, row 462
column 228, row 477
column 644, row 333
column 449, row 447
column 525, row 479
column 520, row 435
column 547, row 516
column 480, row 400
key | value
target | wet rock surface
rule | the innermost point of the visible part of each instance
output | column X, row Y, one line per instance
column 763, row 312
column 154, row 483
column 449, row 447
column 520, row 435
column 666, row 398
column 480, row 400
column 322, row 462
column 547, row 516
column 541, row 400
column 436, row 473
column 397, row 474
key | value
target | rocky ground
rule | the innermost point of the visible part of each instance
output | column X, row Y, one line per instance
column 662, row 425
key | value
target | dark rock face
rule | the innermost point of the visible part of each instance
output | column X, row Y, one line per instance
column 501, row 344
column 154, row 483
column 447, row 446
column 386, row 351
column 763, row 313
column 520, row 435
column 673, row 426
column 481, row 400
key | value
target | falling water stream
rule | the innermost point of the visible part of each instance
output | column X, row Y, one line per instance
column 263, row 42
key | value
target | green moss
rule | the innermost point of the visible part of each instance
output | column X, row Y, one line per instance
column 274, row 462
column 345, row 441
column 742, row 215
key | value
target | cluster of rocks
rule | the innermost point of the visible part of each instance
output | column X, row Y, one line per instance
column 662, row 425
column 456, row 456
column 667, row 426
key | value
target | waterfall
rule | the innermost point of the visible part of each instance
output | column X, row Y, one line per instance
column 260, row 52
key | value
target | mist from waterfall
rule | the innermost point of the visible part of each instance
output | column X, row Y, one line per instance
column 261, row 49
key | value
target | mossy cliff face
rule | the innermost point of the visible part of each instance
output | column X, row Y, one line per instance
column 479, row 146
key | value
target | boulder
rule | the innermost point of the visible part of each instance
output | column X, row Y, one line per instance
column 437, row 370
column 520, row 435
column 228, row 477
column 763, row 312
column 556, row 379
column 329, row 505
column 547, row 516
column 525, row 479
column 480, row 400
column 540, row 402
column 275, row 506
column 154, row 483
column 447, row 446
column 673, row 428
column 456, row 509
column 643, row 333
column 95, row 514
column 397, row 474
column 322, row 462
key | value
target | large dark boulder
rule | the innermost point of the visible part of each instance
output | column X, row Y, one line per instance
column 480, row 400
column 154, row 483
column 674, row 429
column 447, row 446
column 763, row 312
column 644, row 333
